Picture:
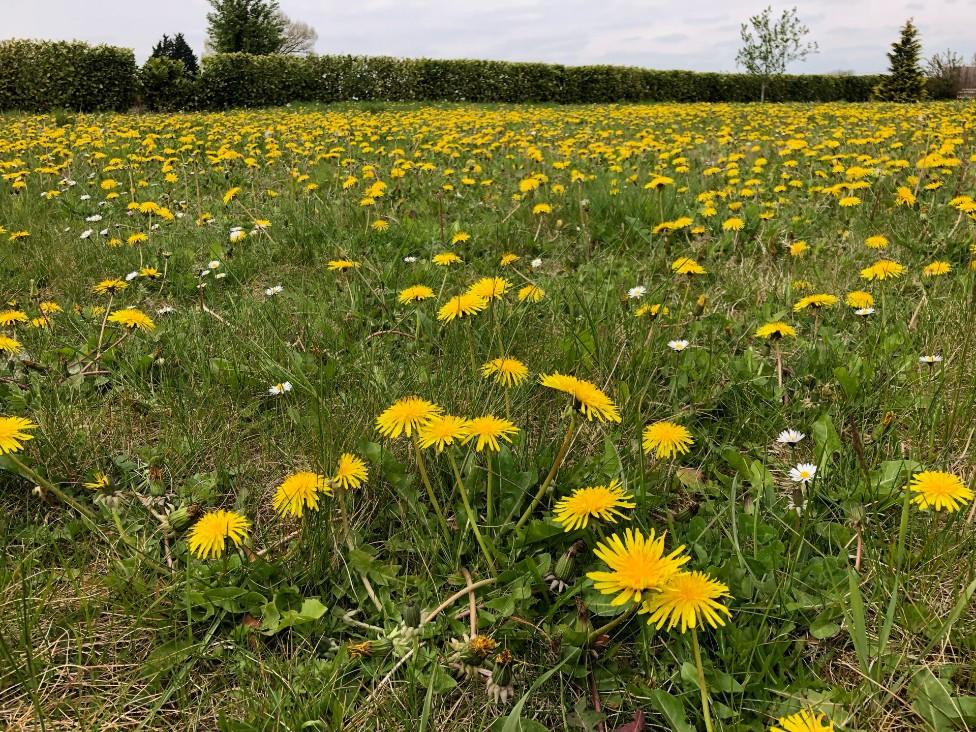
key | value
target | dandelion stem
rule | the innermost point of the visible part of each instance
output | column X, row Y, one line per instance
column 560, row 456
column 903, row 530
column 489, row 498
column 472, row 518
column 701, row 680
column 604, row 629
column 422, row 469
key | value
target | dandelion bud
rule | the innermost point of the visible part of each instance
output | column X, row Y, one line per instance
column 500, row 686
column 177, row 519
column 411, row 615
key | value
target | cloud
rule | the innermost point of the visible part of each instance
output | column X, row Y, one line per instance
column 652, row 33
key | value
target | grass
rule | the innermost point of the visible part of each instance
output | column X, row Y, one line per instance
column 857, row 606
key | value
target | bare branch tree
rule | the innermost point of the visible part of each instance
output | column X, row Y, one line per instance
column 297, row 37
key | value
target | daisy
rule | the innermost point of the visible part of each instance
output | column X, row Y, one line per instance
column 790, row 437
column 864, row 312
column 536, row 263
column 279, row 389
column 272, row 291
column 930, row 360
column 803, row 473
column 636, row 293
column 678, row 345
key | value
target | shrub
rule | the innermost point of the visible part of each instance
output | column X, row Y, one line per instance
column 164, row 85
column 43, row 75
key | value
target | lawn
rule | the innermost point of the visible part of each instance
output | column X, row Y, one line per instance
column 467, row 417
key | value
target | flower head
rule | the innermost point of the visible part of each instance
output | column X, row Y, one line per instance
column 687, row 266
column 859, row 299
column 110, row 287
column 816, row 302
column 939, row 490
column 937, row 269
column 505, row 371
column 597, row 502
column 9, row 317
column 209, row 535
column 415, row 293
column 14, row 433
column 803, row 473
column 300, row 491
column 883, row 269
column 688, row 598
column 446, row 259
column 351, row 471
column 443, row 430
column 803, row 722
column 488, row 288
column 341, row 265
column 132, row 318
column 668, row 439
column 461, row 306
column 589, row 399
column 280, row 389
column 532, row 293
column 637, row 564
column 9, row 345
column 488, row 430
column 776, row 330
column 406, row 416
column 789, row 437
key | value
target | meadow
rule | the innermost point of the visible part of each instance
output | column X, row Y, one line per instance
column 464, row 417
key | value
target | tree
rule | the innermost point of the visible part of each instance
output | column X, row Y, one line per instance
column 248, row 26
column 177, row 49
column 944, row 74
column 905, row 81
column 770, row 44
column 297, row 37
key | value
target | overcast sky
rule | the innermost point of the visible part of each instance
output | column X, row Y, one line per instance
column 664, row 34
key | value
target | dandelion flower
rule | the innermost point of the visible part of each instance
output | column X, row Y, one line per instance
column 506, row 371
column 488, row 430
column 733, row 224
column 776, row 330
column 816, row 302
column 443, row 430
column 110, row 287
column 532, row 293
column 14, row 433
column 803, row 722
column 589, row 399
column 883, row 269
column 602, row 502
column 446, row 259
column 937, row 269
column 508, row 258
column 9, row 345
column 689, row 598
column 300, row 491
column 231, row 194
column 637, row 565
column 687, row 266
column 488, row 288
column 415, row 293
column 209, row 535
column 876, row 242
column 939, row 490
column 667, row 438
column 132, row 318
column 859, row 299
column 341, row 265
column 100, row 481
column 461, row 306
column 406, row 416
column 351, row 471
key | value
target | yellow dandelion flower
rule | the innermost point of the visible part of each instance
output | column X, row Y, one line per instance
column 939, row 490
column 446, row 259
column 733, row 224
column 506, row 371
column 231, row 195
column 803, row 722
column 461, row 306
column 688, row 598
column 9, row 345
column 532, row 293
column 490, row 288
column 351, row 472
column 937, row 269
column 132, row 318
column 883, row 269
column 341, row 265
column 776, row 330
column 667, row 438
column 687, row 266
column 508, row 259
column 443, row 430
column 9, row 317
column 816, row 302
column 637, row 565
column 406, row 416
column 859, row 299
column 603, row 502
column 488, row 430
column 99, row 482
column 876, row 242
column 209, row 534
column 460, row 237
column 300, row 491
column 110, row 287
column 14, row 433
column 415, row 293
column 589, row 399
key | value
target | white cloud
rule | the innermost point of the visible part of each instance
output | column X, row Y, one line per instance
column 653, row 33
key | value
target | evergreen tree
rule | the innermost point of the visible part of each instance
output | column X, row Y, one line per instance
column 248, row 26
column 178, row 49
column 905, row 81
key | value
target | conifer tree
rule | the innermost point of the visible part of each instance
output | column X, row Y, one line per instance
column 905, row 81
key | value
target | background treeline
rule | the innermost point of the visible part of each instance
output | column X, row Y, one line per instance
column 45, row 75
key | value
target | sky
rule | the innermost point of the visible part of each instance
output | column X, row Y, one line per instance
column 853, row 35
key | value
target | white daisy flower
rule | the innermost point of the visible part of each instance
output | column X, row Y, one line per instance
column 409, row 260
column 864, row 312
column 220, row 275
column 678, row 345
column 165, row 310
column 87, row 233
column 103, row 232
column 131, row 276
column 803, row 473
column 213, row 264
column 536, row 263
column 272, row 291
column 279, row 389
column 93, row 219
column 790, row 437
column 930, row 359
column 636, row 293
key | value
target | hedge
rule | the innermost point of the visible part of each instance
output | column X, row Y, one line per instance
column 38, row 76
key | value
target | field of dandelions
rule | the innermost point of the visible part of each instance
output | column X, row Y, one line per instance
column 512, row 418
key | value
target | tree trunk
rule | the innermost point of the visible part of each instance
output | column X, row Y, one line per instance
column 762, row 92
